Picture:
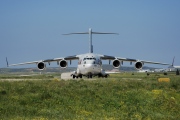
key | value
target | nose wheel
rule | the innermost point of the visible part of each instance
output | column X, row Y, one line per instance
column 89, row 76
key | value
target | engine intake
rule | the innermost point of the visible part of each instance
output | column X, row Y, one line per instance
column 41, row 65
column 138, row 65
column 116, row 63
column 63, row 63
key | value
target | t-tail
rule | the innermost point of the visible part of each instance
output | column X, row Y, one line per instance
column 90, row 37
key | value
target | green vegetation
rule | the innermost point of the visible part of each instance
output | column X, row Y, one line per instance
column 122, row 96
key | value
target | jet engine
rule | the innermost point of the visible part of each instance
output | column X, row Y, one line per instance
column 116, row 63
column 41, row 65
column 63, row 63
column 138, row 65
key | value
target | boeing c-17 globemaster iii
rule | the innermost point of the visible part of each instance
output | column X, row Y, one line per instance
column 89, row 64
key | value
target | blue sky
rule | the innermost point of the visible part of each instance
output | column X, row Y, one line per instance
column 32, row 29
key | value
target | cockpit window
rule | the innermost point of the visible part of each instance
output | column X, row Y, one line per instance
column 89, row 59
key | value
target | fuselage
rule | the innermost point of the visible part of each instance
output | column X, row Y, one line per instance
column 178, row 67
column 89, row 64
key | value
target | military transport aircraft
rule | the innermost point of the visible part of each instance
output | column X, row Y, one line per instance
column 177, row 67
column 89, row 64
column 171, row 68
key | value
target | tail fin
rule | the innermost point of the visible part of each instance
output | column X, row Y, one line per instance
column 90, row 37
column 7, row 62
column 173, row 61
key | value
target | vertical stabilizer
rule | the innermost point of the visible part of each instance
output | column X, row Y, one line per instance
column 7, row 62
column 90, row 41
column 90, row 37
column 173, row 61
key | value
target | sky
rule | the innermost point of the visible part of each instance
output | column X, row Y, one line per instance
column 32, row 30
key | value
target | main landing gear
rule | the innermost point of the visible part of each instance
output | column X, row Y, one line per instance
column 105, row 76
column 76, row 77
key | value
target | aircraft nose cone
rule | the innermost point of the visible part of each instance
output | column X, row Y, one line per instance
column 90, row 66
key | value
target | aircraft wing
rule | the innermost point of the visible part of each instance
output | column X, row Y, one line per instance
column 74, row 57
column 106, row 57
column 143, row 61
column 33, row 62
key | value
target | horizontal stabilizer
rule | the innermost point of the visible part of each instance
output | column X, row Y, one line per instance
column 76, row 33
column 104, row 33
column 90, row 37
column 88, row 33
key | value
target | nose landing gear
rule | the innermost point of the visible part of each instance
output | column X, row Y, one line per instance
column 89, row 76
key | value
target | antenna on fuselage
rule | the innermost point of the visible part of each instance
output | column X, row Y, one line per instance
column 90, row 37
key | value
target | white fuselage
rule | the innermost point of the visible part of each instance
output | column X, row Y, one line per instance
column 89, row 64
column 178, row 67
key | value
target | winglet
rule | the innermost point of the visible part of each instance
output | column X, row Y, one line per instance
column 173, row 61
column 7, row 62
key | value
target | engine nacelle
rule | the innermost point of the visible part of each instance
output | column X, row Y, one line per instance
column 138, row 65
column 116, row 63
column 41, row 65
column 63, row 63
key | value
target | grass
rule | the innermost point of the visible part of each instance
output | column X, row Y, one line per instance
column 122, row 96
